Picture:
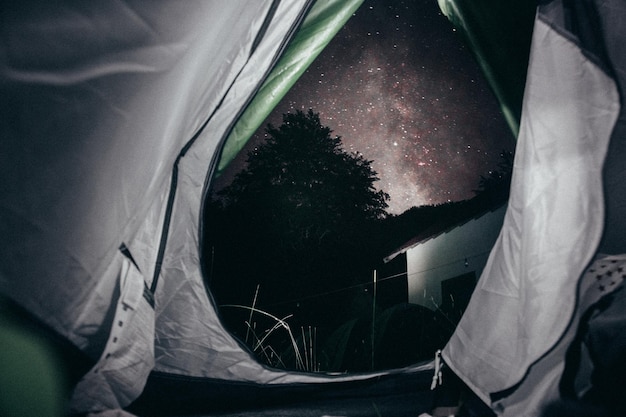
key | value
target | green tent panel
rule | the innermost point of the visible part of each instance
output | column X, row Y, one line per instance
column 322, row 23
column 498, row 33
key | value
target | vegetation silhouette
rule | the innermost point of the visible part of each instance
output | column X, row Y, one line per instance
column 296, row 221
column 297, row 235
column 497, row 182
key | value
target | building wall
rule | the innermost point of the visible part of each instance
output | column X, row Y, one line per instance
column 460, row 251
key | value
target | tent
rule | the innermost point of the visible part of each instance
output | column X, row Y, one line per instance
column 564, row 222
column 116, row 115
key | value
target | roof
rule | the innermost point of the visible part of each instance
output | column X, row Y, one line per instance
column 453, row 216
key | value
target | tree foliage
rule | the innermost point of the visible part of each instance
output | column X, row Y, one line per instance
column 300, row 214
column 305, row 177
column 498, row 181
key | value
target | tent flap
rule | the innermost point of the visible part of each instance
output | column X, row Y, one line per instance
column 322, row 23
column 553, row 224
column 499, row 34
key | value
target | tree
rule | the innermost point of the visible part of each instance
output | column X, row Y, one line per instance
column 497, row 183
column 303, row 187
column 300, row 214
column 309, row 175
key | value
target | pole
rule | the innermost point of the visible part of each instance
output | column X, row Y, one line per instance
column 373, row 317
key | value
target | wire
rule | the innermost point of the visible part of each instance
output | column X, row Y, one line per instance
column 308, row 297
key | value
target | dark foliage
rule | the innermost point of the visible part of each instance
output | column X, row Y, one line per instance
column 311, row 179
column 498, row 182
column 304, row 224
column 297, row 221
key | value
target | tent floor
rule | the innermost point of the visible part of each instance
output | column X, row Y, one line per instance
column 396, row 394
column 412, row 404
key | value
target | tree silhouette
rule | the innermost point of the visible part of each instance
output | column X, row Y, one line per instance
column 497, row 183
column 299, row 216
column 304, row 174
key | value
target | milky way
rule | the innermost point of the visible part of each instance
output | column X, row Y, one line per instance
column 399, row 86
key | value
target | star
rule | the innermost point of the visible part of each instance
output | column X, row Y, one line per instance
column 398, row 85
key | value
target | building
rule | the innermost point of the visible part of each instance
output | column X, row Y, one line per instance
column 444, row 262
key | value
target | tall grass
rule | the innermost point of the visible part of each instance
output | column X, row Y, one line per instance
column 258, row 339
column 398, row 329
column 259, row 342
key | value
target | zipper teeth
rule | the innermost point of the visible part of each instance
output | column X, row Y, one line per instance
column 174, row 177
column 222, row 142
column 220, row 147
column 279, row 53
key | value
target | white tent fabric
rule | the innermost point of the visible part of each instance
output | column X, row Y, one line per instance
column 527, row 295
column 100, row 99
column 113, row 117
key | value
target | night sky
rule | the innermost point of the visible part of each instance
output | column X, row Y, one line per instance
column 398, row 85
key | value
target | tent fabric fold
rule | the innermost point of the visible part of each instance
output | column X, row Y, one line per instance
column 526, row 297
column 86, row 161
column 128, row 357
